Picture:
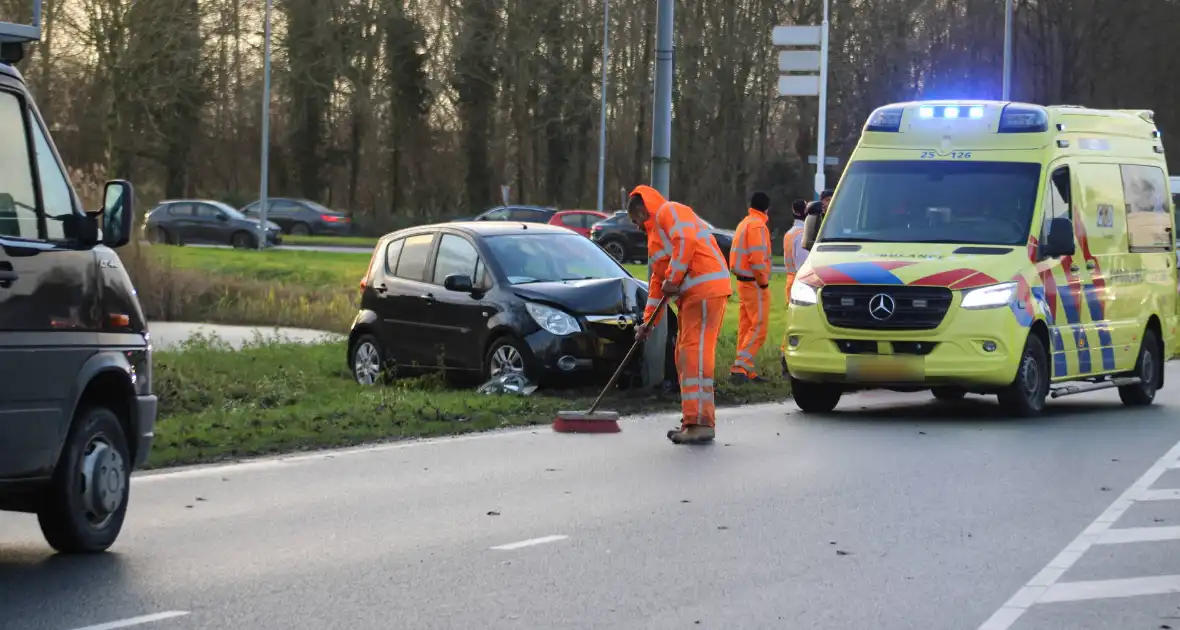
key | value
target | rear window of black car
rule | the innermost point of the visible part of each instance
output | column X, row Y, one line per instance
column 411, row 265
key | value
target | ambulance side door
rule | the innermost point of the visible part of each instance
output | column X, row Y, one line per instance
column 1062, row 281
column 1100, row 232
column 1150, row 247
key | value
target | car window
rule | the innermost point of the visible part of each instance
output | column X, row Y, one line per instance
column 528, row 216
column 18, row 203
column 391, row 254
column 527, row 258
column 206, row 211
column 411, row 265
column 55, row 190
column 456, row 255
column 180, row 210
column 499, row 214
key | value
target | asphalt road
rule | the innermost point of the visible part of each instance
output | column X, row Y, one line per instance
column 172, row 335
column 895, row 513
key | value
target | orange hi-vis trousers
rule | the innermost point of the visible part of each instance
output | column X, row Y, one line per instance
column 790, row 281
column 696, row 352
column 753, row 319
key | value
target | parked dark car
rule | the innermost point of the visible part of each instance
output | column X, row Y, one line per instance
column 77, row 413
column 484, row 299
column 302, row 217
column 181, row 221
column 526, row 214
column 627, row 243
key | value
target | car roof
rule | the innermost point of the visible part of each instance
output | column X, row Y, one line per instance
column 488, row 228
column 11, row 71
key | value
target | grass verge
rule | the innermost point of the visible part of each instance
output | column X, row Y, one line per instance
column 272, row 397
column 331, row 241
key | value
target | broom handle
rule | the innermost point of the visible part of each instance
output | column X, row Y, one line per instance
column 627, row 359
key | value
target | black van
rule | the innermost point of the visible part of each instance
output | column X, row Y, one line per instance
column 76, row 406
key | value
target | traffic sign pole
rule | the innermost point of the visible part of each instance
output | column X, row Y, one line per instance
column 797, row 67
column 820, row 182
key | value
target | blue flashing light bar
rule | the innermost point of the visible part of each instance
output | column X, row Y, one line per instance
column 975, row 112
column 1023, row 119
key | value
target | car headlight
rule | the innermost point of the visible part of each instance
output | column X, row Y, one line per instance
column 553, row 320
column 803, row 294
column 993, row 296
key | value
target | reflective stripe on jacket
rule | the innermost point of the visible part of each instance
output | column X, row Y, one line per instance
column 683, row 251
column 749, row 258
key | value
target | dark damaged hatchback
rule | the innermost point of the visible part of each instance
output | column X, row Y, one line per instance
column 76, row 408
column 484, row 299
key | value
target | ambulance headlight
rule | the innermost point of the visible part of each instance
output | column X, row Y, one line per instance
column 993, row 296
column 803, row 294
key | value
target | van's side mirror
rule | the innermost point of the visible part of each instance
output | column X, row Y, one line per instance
column 117, row 213
column 1059, row 241
column 459, row 282
column 811, row 230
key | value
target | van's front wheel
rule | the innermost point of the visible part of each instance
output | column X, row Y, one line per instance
column 1025, row 396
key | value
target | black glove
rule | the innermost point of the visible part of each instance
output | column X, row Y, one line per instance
column 764, row 286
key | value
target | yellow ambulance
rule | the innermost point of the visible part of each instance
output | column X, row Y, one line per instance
column 991, row 248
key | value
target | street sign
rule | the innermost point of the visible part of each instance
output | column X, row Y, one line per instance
column 796, row 35
column 829, row 160
column 798, row 61
column 798, row 85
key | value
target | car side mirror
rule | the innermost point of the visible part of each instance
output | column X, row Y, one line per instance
column 811, row 230
column 117, row 213
column 221, row 216
column 1059, row 242
column 459, row 282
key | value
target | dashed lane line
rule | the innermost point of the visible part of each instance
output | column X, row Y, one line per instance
column 1044, row 586
column 136, row 621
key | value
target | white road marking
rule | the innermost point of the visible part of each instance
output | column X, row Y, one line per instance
column 1138, row 534
column 279, row 461
column 529, row 543
column 1044, row 584
column 1101, row 589
column 136, row 621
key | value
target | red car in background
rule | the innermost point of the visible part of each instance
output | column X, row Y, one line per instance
column 577, row 220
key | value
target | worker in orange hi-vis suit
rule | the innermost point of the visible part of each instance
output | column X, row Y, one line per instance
column 687, row 265
column 749, row 259
column 793, row 258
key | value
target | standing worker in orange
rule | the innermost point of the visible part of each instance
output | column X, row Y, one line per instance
column 793, row 258
column 687, row 265
column 749, row 259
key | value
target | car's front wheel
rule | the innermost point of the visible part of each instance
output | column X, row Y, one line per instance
column 87, row 499
column 1025, row 396
column 508, row 355
column 815, row 397
column 243, row 240
column 300, row 229
column 616, row 249
column 367, row 361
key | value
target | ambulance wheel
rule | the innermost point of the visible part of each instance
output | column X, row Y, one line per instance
column 815, row 397
column 1149, row 368
column 1025, row 396
column 949, row 393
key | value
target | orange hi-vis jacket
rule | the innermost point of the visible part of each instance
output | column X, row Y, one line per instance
column 683, row 251
column 749, row 258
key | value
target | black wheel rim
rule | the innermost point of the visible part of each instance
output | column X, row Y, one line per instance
column 1031, row 380
column 616, row 251
column 1147, row 371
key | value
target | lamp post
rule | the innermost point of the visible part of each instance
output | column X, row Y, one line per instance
column 602, row 123
column 1008, row 50
column 263, row 202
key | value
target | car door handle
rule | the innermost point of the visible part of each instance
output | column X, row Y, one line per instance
column 380, row 288
column 8, row 275
column 429, row 297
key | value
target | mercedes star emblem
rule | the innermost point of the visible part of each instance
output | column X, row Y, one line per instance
column 881, row 307
column 622, row 322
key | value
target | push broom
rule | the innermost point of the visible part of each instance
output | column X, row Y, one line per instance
column 592, row 420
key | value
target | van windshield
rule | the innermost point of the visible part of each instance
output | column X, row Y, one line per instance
column 985, row 203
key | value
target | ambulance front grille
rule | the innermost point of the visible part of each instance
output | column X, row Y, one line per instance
column 871, row 307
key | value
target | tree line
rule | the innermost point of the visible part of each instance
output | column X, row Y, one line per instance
column 403, row 111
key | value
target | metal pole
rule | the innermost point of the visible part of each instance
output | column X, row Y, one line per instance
column 602, row 123
column 1008, row 50
column 265, row 166
column 822, row 125
column 661, row 164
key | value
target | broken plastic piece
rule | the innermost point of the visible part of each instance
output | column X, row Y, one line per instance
column 511, row 383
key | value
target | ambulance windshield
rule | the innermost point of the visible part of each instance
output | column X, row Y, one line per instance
column 934, row 201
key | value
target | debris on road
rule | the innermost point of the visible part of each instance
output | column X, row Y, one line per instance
column 493, row 513
column 840, row 552
column 508, row 384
